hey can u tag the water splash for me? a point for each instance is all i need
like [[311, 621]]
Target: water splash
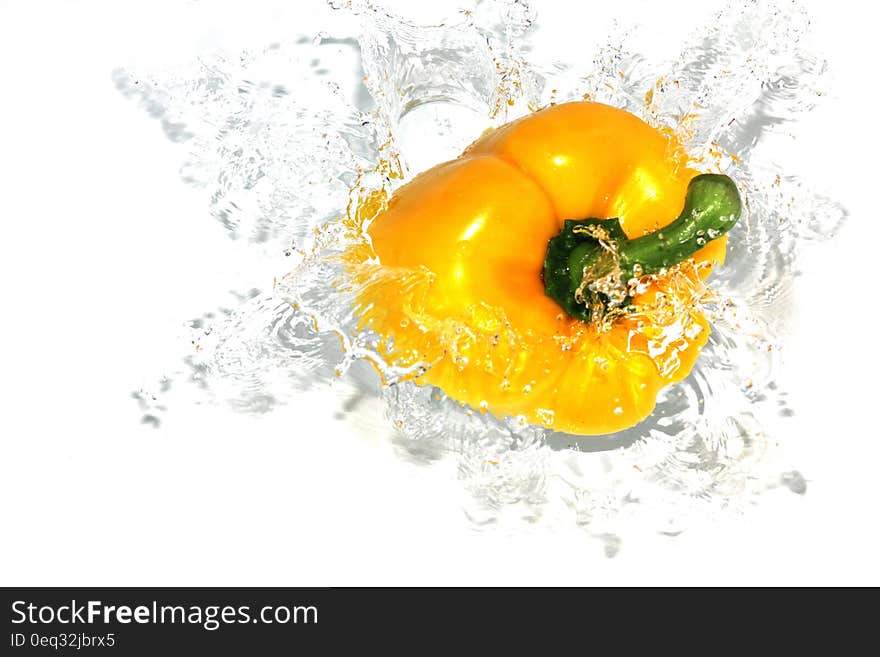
[[279, 168]]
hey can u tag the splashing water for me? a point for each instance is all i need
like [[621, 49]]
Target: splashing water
[[279, 168]]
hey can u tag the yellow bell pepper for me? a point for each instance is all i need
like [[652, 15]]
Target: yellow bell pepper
[[455, 272]]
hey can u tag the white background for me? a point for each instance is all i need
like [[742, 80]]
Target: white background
[[98, 272]]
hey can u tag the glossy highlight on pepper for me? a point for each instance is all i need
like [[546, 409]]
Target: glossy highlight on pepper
[[452, 275]]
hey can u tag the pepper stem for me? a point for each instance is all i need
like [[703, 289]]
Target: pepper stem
[[587, 252]]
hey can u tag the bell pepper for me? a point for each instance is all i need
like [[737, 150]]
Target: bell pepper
[[552, 272]]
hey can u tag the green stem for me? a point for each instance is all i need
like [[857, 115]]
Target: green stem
[[587, 250]]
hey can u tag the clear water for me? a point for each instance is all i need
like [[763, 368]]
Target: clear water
[[286, 140]]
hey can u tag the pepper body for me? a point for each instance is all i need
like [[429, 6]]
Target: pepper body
[[466, 244]]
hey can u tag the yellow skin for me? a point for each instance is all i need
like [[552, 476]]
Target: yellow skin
[[461, 250]]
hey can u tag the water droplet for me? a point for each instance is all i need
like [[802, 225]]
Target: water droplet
[[611, 545], [795, 482], [545, 416]]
